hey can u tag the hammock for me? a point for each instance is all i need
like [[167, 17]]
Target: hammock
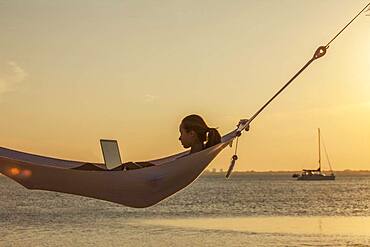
[[134, 188]]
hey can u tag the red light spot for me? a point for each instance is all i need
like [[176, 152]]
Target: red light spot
[[26, 173]]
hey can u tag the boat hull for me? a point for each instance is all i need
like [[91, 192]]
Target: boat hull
[[316, 177]]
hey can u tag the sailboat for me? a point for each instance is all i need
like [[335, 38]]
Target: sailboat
[[316, 174]]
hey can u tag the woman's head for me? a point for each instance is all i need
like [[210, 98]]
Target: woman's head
[[193, 130]]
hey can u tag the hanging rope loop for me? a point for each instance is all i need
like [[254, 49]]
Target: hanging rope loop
[[232, 165], [320, 52], [234, 158]]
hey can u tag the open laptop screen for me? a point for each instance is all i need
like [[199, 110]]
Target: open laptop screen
[[111, 153]]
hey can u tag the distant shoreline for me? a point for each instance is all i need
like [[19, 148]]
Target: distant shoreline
[[223, 172], [345, 172]]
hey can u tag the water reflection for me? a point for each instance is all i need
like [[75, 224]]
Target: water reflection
[[285, 224]]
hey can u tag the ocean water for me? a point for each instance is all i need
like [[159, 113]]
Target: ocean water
[[254, 209]]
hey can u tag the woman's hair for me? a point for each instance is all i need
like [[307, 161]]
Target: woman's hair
[[199, 126]]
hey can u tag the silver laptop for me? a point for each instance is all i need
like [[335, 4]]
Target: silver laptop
[[112, 158]]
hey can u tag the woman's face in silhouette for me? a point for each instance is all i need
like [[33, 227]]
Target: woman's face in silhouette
[[187, 138]]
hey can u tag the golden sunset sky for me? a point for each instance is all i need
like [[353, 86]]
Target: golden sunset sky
[[73, 72]]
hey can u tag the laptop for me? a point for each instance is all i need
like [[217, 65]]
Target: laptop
[[112, 158]]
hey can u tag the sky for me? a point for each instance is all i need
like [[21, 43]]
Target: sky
[[74, 72]]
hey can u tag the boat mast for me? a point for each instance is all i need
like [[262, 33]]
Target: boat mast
[[319, 150]]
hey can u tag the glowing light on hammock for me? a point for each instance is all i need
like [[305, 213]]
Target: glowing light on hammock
[[14, 171], [26, 173]]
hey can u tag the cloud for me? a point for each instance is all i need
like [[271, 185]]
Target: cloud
[[148, 98], [11, 75]]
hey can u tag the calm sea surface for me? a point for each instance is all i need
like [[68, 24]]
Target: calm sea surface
[[255, 209]]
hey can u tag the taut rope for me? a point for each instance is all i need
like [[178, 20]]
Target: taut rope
[[320, 52]]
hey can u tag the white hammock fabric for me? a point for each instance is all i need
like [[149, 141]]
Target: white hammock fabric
[[137, 188]]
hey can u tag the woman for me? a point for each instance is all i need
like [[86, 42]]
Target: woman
[[196, 135]]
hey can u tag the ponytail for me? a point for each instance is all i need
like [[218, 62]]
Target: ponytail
[[214, 137]]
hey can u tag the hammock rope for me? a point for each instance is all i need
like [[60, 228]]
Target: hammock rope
[[320, 52], [359, 13]]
